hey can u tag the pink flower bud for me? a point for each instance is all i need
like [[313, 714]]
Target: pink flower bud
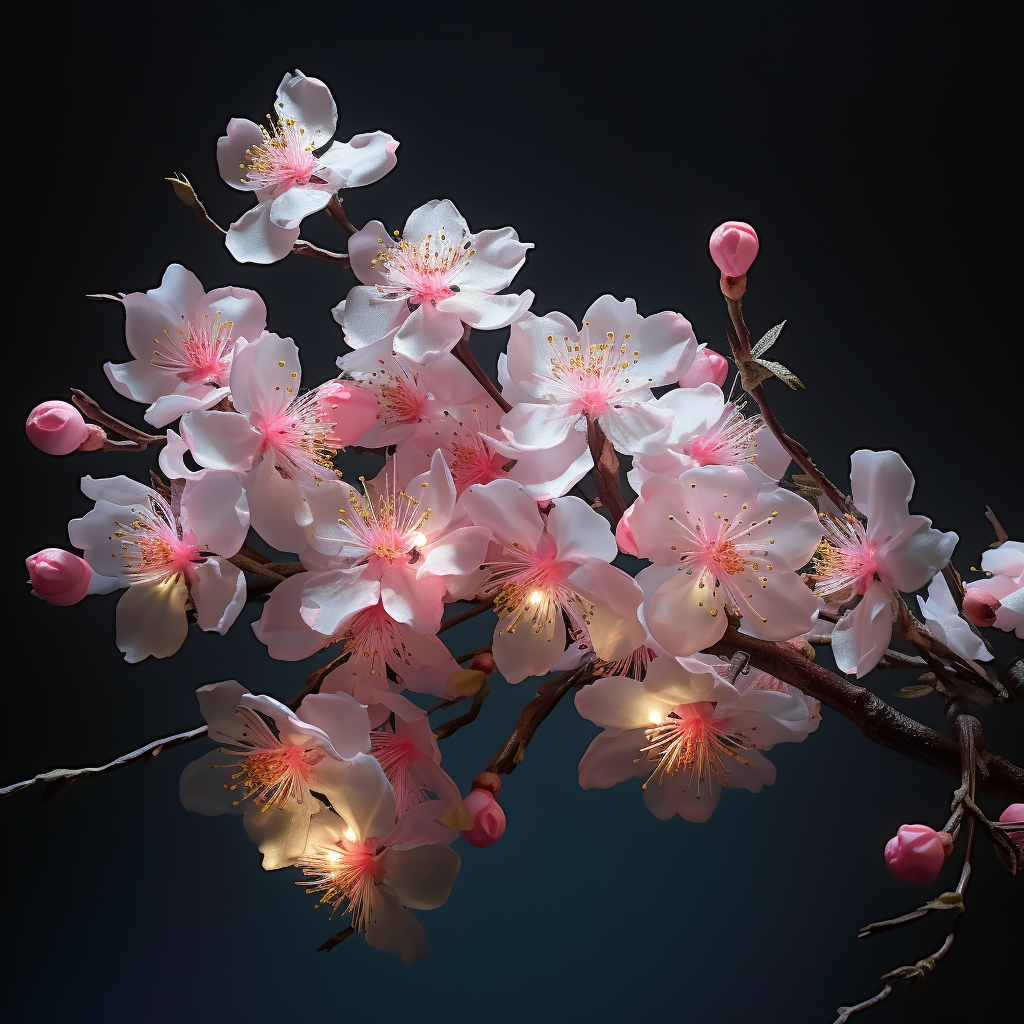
[[708, 367], [624, 534], [58, 576], [1015, 812], [352, 410], [733, 247], [980, 606], [488, 818], [915, 854], [56, 428]]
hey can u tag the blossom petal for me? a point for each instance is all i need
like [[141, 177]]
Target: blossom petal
[[215, 508], [140, 380], [882, 485], [330, 599], [613, 757], [428, 333], [217, 705], [777, 606], [281, 835], [219, 594], [342, 717], [364, 248], [528, 652], [421, 876], [243, 308], [360, 161], [637, 429], [510, 513], [579, 532], [180, 292], [220, 440], [497, 257], [167, 408], [540, 426], [255, 238], [550, 472], [666, 346], [151, 620], [394, 929], [619, 702], [261, 374], [415, 602], [368, 316], [909, 559], [288, 209], [529, 351], [680, 794], [433, 218], [310, 103], [678, 615], [359, 791], [232, 152], [205, 785], [614, 628], [456, 554], [788, 530], [862, 635], [484, 311], [281, 627]]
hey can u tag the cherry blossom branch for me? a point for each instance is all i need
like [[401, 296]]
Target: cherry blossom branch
[[445, 729], [739, 343], [465, 355], [969, 735], [337, 212], [135, 440], [477, 609], [877, 720], [513, 750], [1001, 535], [606, 471], [67, 775], [274, 570], [336, 939], [486, 649], [187, 194]]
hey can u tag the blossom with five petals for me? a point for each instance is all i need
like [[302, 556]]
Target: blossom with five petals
[[287, 168], [182, 339], [895, 551], [546, 568], [419, 289], [688, 732], [718, 543], [164, 549]]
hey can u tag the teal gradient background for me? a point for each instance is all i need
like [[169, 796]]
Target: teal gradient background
[[869, 151]]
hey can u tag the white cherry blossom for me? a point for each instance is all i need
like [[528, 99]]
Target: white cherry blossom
[[419, 289], [1004, 567], [287, 168]]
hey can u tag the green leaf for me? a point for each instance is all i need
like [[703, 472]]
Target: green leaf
[[784, 374], [767, 341], [946, 901]]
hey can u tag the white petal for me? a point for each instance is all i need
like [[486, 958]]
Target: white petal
[[369, 317], [678, 615], [232, 155], [637, 429], [484, 311], [882, 485], [220, 440], [614, 627], [498, 256], [536, 426], [395, 930], [364, 247], [168, 408], [862, 635], [613, 757], [360, 161], [579, 532], [428, 333], [261, 374], [255, 238], [151, 620], [219, 594], [359, 791], [504, 507], [217, 704], [910, 558], [214, 506], [422, 876], [528, 652], [618, 702], [342, 717], [309, 102], [288, 209], [434, 218]]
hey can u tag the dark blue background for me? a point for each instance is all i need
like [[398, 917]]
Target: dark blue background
[[869, 152]]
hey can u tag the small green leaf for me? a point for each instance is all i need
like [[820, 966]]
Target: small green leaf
[[768, 340], [913, 691], [946, 901]]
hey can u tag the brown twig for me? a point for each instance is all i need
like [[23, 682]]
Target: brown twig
[[513, 750], [336, 939], [337, 211], [1001, 535], [465, 355], [877, 720], [606, 471], [477, 609], [187, 194], [472, 654], [135, 440], [445, 729]]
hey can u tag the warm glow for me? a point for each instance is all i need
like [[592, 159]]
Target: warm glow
[[418, 540], [350, 834], [536, 597], [656, 718]]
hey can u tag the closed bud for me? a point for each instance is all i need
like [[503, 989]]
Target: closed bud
[[488, 818], [733, 247], [58, 576], [56, 428], [915, 854], [980, 606], [708, 367], [484, 662]]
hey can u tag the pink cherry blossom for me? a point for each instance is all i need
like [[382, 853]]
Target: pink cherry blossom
[[287, 168], [895, 551], [708, 431], [720, 542], [374, 877], [1004, 566], [559, 378], [163, 549], [544, 567], [182, 339], [915, 854], [419, 290], [687, 732]]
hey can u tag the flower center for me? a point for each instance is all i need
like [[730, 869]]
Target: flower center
[[389, 527], [196, 353], [346, 872], [845, 558], [729, 442], [473, 462], [690, 739], [276, 776], [284, 158], [302, 437], [397, 755], [424, 271], [154, 548]]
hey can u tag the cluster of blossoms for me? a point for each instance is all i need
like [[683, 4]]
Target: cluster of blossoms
[[478, 498]]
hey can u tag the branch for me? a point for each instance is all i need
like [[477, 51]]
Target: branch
[[1001, 535], [465, 355], [445, 729], [187, 194], [513, 750], [606, 471], [337, 211], [151, 750], [135, 440], [336, 939], [455, 620], [876, 719]]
